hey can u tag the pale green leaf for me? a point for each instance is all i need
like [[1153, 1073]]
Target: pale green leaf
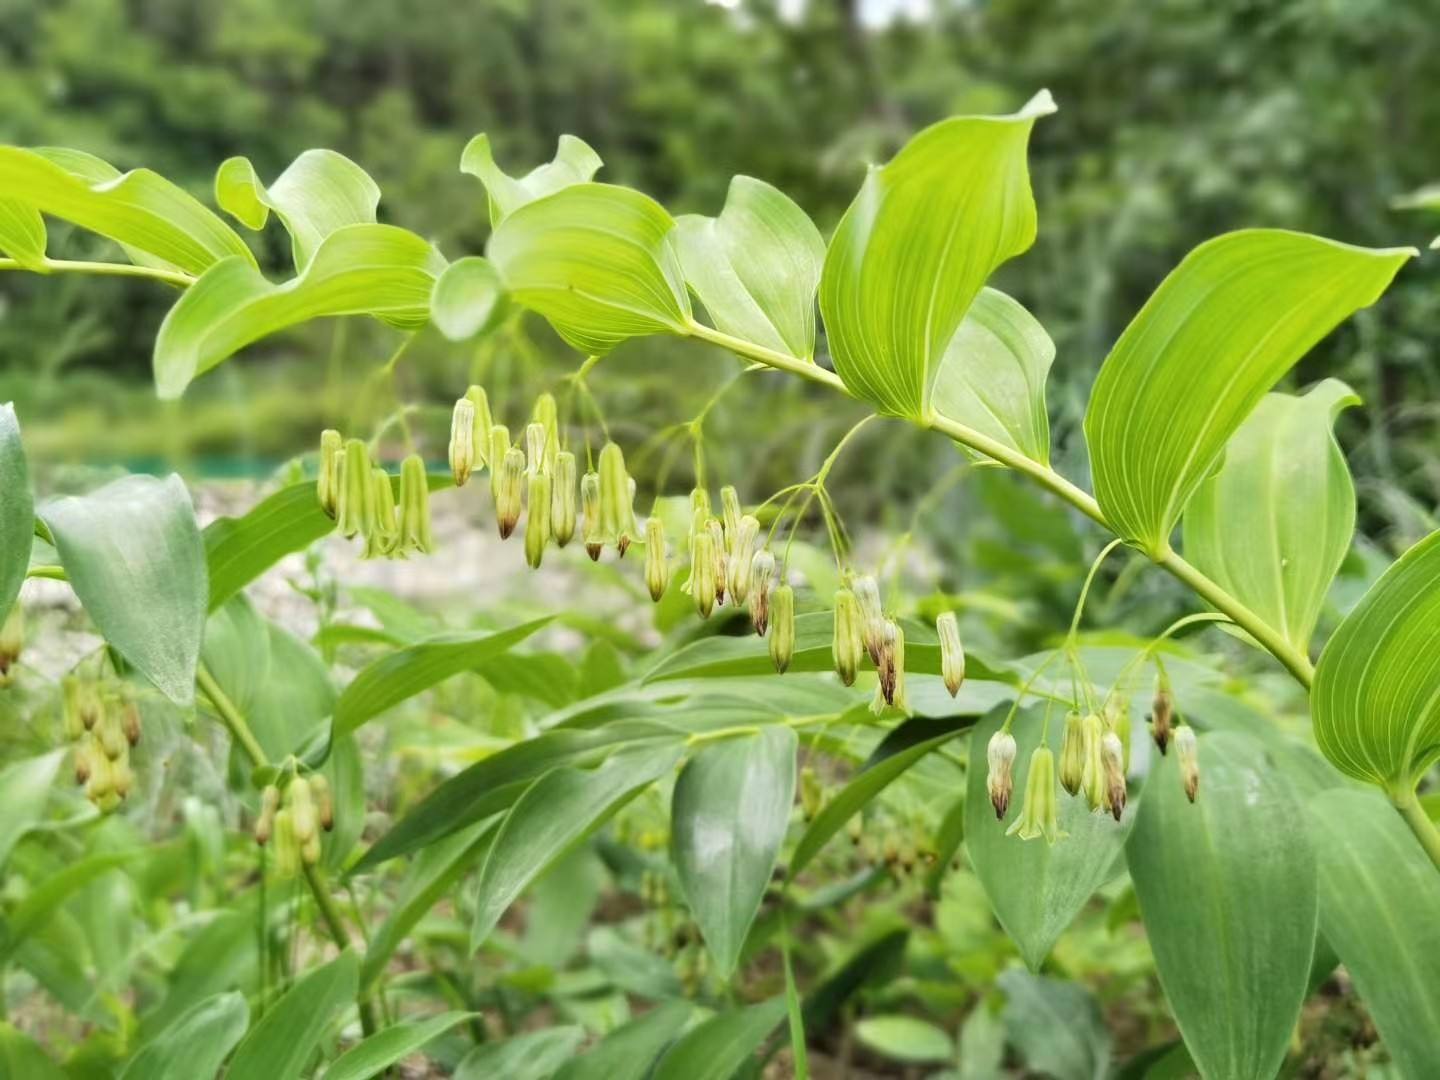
[[196, 1044], [281, 1042], [728, 818], [1056, 1026], [1227, 889], [1220, 331], [17, 511], [372, 1056], [992, 376], [914, 248], [717, 1048], [597, 261], [358, 270], [1273, 524], [628, 1052], [906, 1038], [1376, 698], [574, 163], [1378, 897], [756, 267], [1037, 888], [557, 811], [534, 1055], [26, 784], [141, 210], [22, 234], [469, 297], [319, 193], [46, 898], [133, 554]]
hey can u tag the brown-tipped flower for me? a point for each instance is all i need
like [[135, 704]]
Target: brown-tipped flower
[[1092, 775], [1000, 774], [722, 568], [657, 558], [385, 529], [847, 646], [594, 525], [1072, 754], [1162, 711], [782, 626], [110, 735], [537, 523], [130, 722], [1112, 753], [85, 752], [414, 532], [702, 573], [872, 615], [327, 483], [324, 800], [72, 707], [12, 638], [1039, 814], [510, 490], [562, 498], [729, 510], [952, 653], [1187, 749], [462, 441], [757, 594], [739, 556], [812, 794], [265, 823], [480, 431], [499, 445], [356, 508], [890, 692]]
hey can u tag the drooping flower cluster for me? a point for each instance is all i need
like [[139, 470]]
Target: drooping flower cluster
[[361, 497], [293, 818], [103, 726]]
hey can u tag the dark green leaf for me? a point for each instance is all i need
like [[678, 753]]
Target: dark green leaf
[[194, 1045], [534, 1055], [628, 1052], [240, 549], [1056, 1026], [26, 784], [372, 1056], [281, 1042], [17, 511], [717, 1048]]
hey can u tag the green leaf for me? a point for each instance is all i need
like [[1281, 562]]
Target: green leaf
[[469, 297], [22, 1058], [575, 163], [239, 549], [1056, 1026], [17, 511], [281, 1042], [534, 1055], [907, 1039], [756, 267], [913, 250], [375, 270], [133, 554], [1376, 699], [141, 210], [22, 234], [1227, 889], [727, 820], [1378, 897], [372, 1056], [45, 899], [628, 1052], [1035, 888], [557, 811], [874, 778], [716, 1049], [319, 193], [194, 1045], [404, 673], [26, 784], [1274, 523], [1201, 354], [992, 375], [597, 262]]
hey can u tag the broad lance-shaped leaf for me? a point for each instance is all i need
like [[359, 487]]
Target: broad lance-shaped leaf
[[1274, 523], [469, 297], [133, 554], [22, 234], [1376, 698], [282, 1040], [1378, 897], [1220, 331], [1227, 889], [374, 1055], [727, 821], [158, 223], [319, 193], [574, 163], [1037, 888], [194, 1045], [597, 261], [992, 376], [718, 1047], [914, 248], [756, 267], [17, 510], [358, 270]]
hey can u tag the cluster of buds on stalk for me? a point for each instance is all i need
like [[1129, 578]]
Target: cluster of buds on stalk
[[1000, 774], [12, 641], [1092, 759], [293, 819], [103, 729], [1162, 711], [862, 628], [360, 496]]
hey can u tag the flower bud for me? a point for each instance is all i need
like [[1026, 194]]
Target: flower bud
[[130, 722], [287, 847], [999, 779], [12, 638], [782, 626], [702, 573], [310, 850], [110, 735], [1187, 749], [535, 436], [1162, 711], [700, 503], [385, 530], [498, 443], [1117, 719], [480, 430], [85, 752], [1072, 754], [885, 665], [547, 416], [327, 482], [952, 653], [72, 707], [265, 823], [717, 545], [617, 513], [1038, 816], [657, 561], [462, 440], [562, 498], [872, 615], [891, 691], [762, 576], [1112, 753], [122, 779], [537, 522], [324, 800], [1092, 773], [414, 507], [847, 645], [302, 808], [590, 510], [729, 510], [510, 490], [356, 508], [811, 793], [739, 557]]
